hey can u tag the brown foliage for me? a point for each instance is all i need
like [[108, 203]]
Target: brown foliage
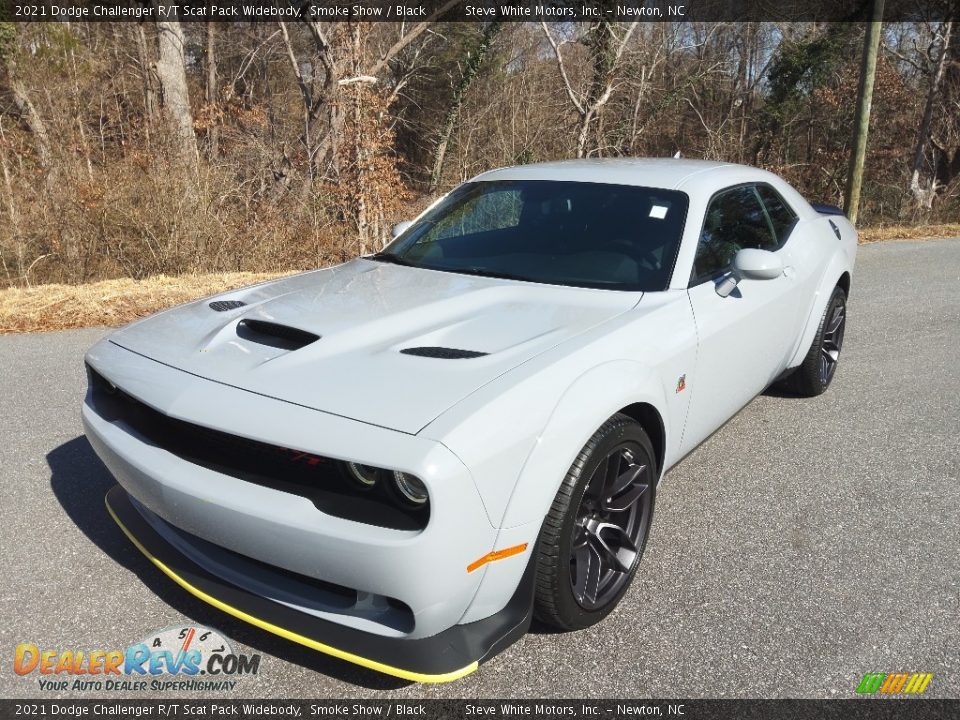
[[306, 168]]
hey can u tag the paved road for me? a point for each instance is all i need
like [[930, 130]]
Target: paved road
[[806, 543]]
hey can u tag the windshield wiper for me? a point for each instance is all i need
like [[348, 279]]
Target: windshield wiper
[[390, 258], [485, 272]]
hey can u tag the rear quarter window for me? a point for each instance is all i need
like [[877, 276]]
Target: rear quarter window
[[781, 215]]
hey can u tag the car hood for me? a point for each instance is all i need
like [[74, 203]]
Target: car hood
[[364, 314]]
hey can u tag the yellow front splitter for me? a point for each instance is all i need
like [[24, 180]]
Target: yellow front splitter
[[448, 656]]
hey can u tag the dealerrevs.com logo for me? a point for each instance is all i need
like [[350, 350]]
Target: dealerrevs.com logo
[[894, 683], [175, 658]]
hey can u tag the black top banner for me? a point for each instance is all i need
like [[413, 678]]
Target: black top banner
[[475, 10]]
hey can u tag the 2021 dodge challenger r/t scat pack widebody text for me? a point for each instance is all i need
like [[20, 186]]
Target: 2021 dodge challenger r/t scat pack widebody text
[[400, 460]]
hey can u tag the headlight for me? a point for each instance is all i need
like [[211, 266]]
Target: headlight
[[410, 488], [363, 475]]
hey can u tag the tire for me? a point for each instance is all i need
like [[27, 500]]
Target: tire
[[819, 367], [581, 529]]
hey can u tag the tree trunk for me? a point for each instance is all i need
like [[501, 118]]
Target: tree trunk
[[171, 69], [36, 126], [64, 245], [359, 154], [474, 62], [14, 215], [924, 195], [868, 69], [212, 91], [146, 71]]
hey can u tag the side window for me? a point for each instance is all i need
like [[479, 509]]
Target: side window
[[781, 215], [735, 219]]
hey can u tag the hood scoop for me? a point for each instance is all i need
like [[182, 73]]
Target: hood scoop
[[443, 353], [275, 335], [224, 305]]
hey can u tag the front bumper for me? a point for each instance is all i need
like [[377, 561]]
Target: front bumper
[[444, 657], [425, 571]]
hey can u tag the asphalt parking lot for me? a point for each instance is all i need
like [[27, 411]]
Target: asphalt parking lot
[[806, 543]]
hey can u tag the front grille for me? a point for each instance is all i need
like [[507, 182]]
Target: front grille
[[443, 353], [318, 479]]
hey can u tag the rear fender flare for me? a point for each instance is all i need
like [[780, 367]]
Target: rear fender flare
[[838, 265]]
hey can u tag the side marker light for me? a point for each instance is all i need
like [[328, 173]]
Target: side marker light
[[496, 555]]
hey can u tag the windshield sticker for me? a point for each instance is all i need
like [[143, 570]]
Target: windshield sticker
[[658, 211]]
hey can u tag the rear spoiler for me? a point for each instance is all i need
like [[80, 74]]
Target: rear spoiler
[[825, 209]]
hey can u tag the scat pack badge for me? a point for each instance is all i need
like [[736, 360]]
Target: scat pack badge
[[175, 658]]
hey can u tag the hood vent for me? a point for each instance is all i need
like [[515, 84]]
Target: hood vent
[[275, 335], [443, 353], [224, 305]]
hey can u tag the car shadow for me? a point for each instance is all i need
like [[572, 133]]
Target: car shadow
[[80, 481], [776, 391], [538, 627]]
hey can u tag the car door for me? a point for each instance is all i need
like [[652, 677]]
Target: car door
[[743, 339]]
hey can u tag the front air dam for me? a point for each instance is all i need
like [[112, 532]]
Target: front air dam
[[444, 657]]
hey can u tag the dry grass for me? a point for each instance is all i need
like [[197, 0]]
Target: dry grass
[[116, 302], [110, 302], [909, 232]]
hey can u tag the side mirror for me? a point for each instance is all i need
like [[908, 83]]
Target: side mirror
[[757, 264], [753, 264], [398, 229]]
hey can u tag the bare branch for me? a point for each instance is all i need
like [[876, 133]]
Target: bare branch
[[409, 37], [563, 71], [304, 89], [357, 79], [904, 58]]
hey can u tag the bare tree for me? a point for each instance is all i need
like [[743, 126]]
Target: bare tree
[[316, 137], [35, 123], [211, 94], [924, 194], [473, 65], [607, 50], [171, 69], [147, 72]]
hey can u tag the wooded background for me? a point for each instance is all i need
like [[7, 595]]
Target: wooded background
[[130, 149]]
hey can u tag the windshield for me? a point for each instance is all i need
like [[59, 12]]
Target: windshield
[[597, 235]]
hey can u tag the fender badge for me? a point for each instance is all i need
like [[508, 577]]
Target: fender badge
[[682, 383]]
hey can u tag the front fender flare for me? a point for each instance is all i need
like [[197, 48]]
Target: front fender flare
[[592, 398], [589, 401]]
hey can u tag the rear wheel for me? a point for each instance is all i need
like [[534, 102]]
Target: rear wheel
[[819, 366], [597, 528]]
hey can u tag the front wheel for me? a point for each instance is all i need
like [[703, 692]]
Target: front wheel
[[819, 366], [597, 528]]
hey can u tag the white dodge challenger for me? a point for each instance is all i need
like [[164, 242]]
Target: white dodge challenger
[[401, 460]]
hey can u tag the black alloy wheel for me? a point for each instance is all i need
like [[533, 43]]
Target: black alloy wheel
[[594, 535], [611, 524], [832, 342]]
